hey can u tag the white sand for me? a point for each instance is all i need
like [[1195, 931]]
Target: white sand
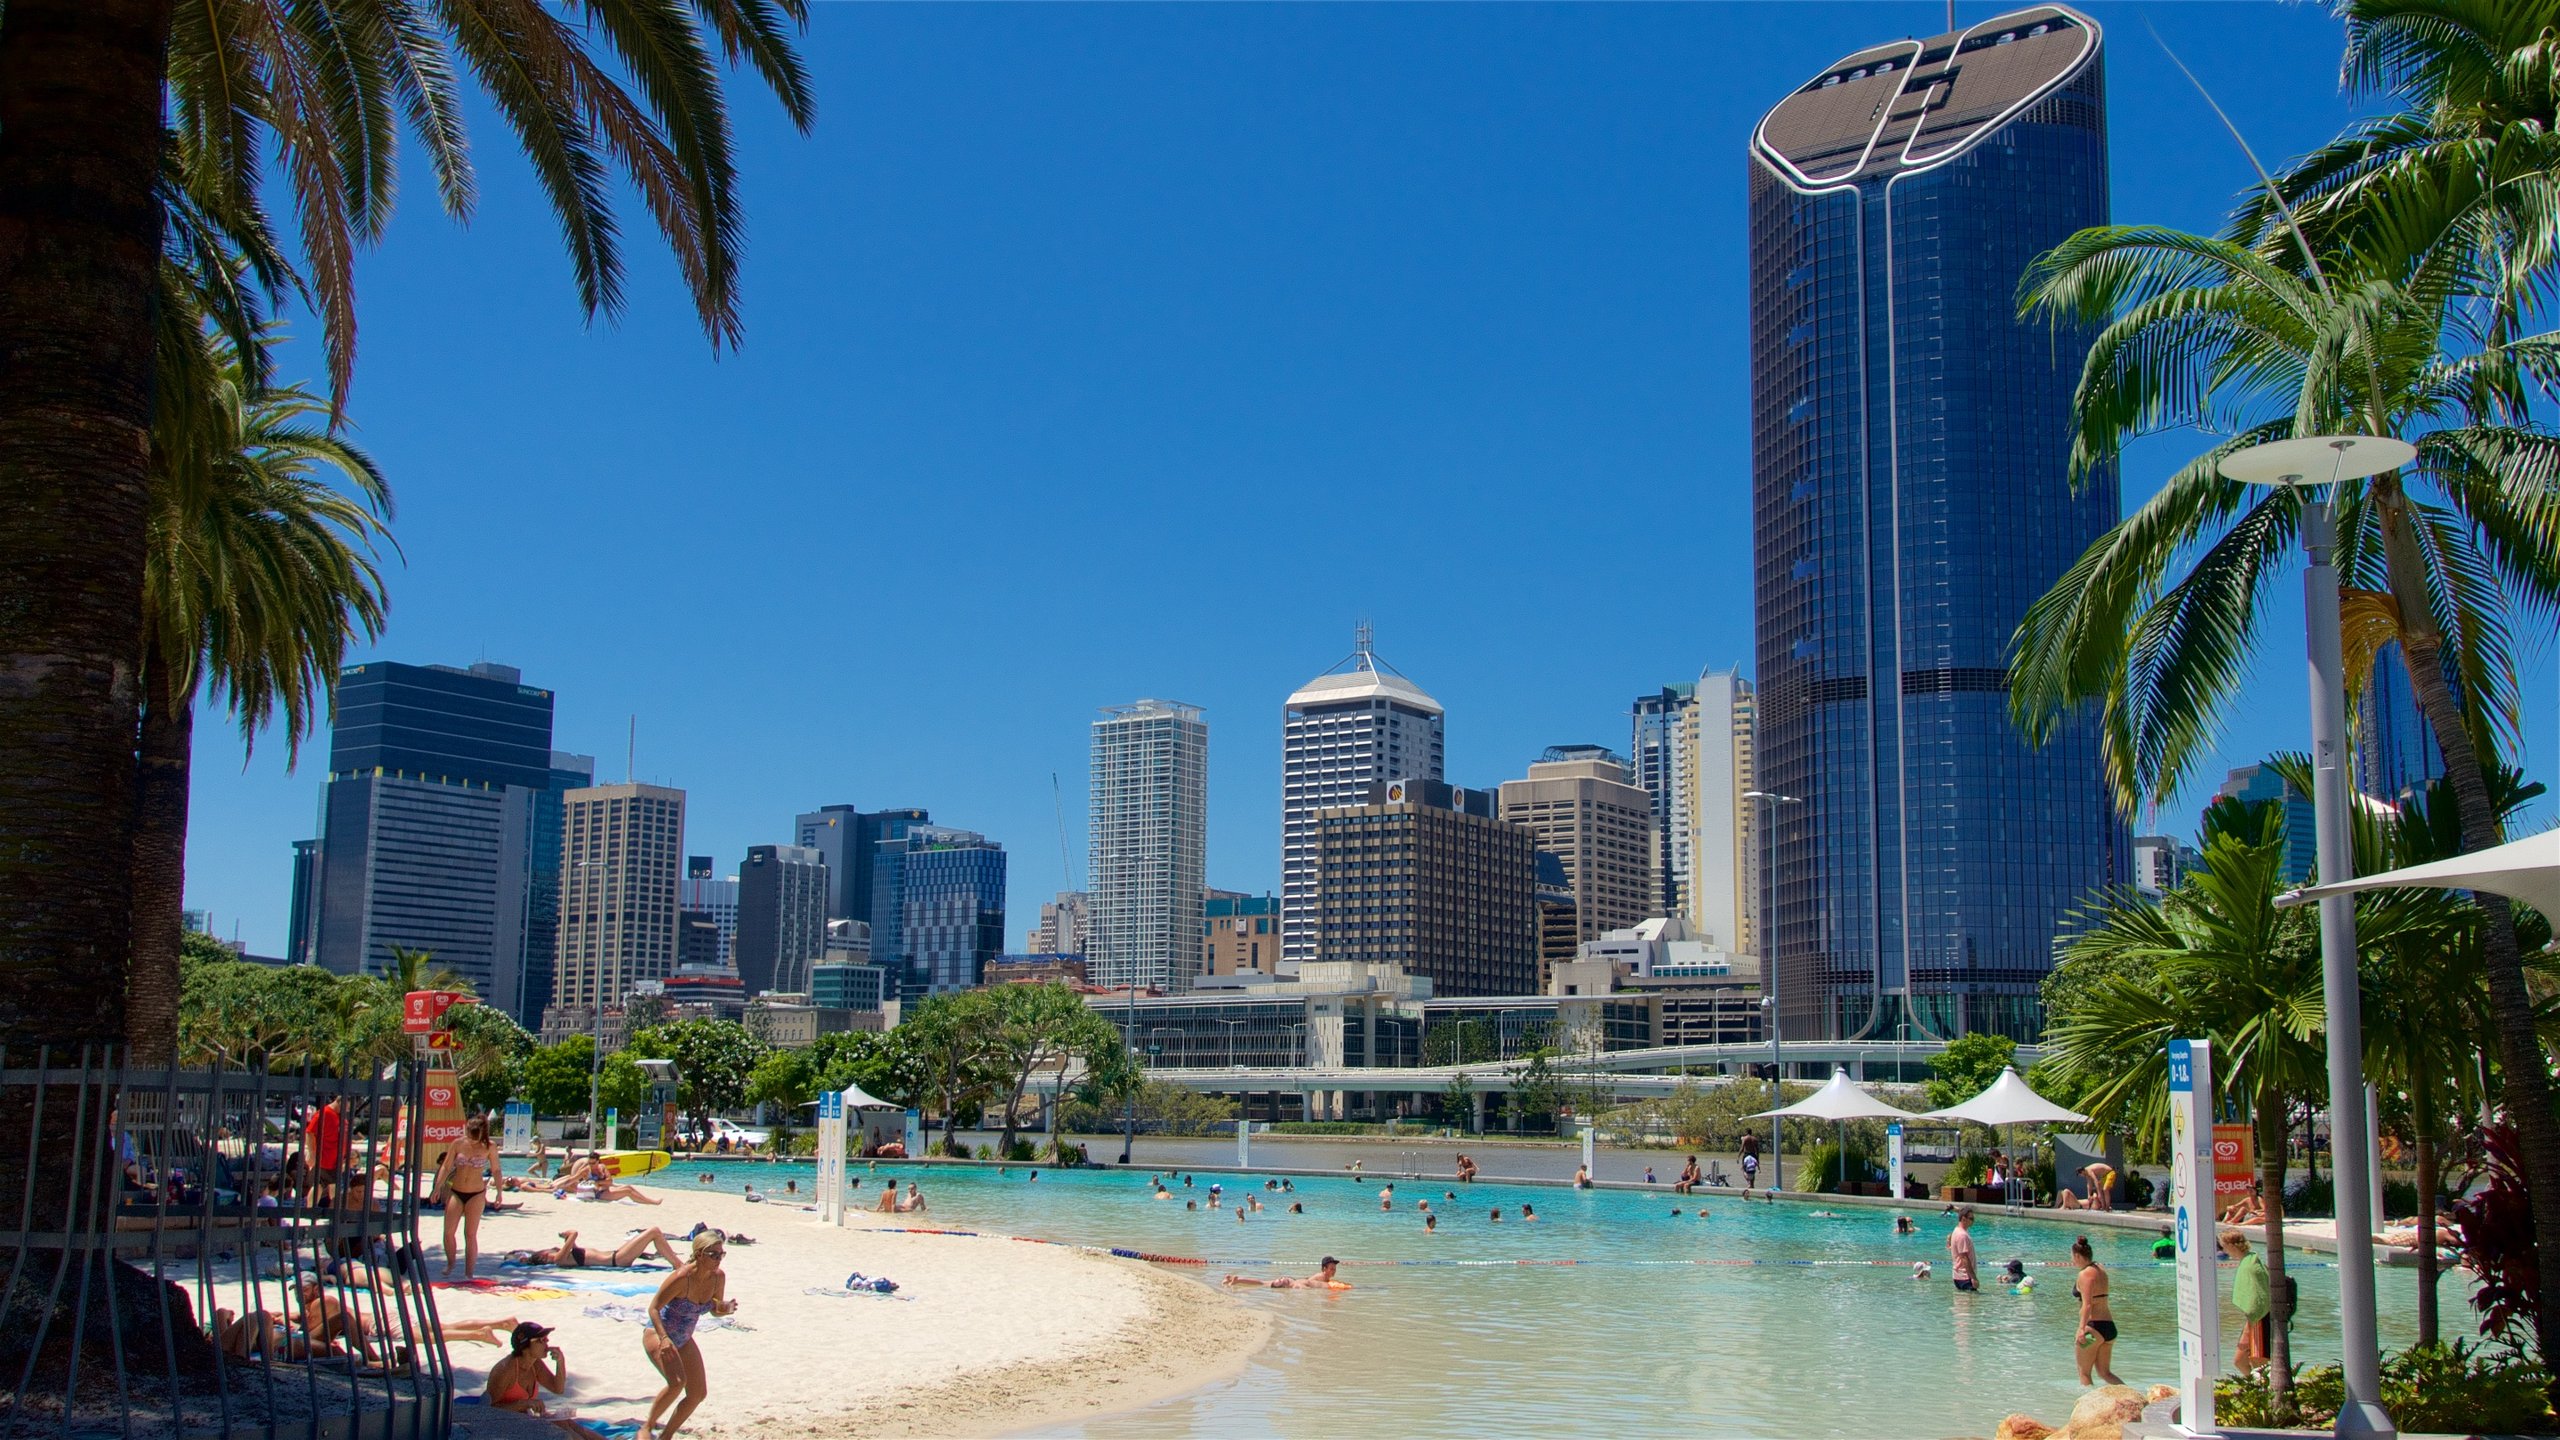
[[985, 1334]]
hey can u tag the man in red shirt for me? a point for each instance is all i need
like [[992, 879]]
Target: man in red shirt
[[324, 1141]]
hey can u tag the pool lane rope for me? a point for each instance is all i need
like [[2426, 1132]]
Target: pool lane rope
[[1720, 1262]]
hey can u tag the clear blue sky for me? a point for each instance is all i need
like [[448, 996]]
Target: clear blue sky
[[1104, 352]]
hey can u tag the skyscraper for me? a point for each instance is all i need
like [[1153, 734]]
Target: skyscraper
[[1723, 893], [1424, 877], [1063, 926], [619, 852], [1343, 731], [1148, 839], [782, 917], [705, 892], [2396, 754], [1578, 806], [848, 838], [1911, 497], [544, 817], [939, 894], [1659, 761], [427, 822]]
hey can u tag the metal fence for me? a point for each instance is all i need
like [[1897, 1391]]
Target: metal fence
[[212, 1253]]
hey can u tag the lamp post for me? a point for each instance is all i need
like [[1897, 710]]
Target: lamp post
[[595, 1018], [1769, 803], [1231, 1039], [1129, 1100], [2324, 460]]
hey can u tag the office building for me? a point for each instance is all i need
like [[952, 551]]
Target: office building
[[704, 891], [1148, 839], [1722, 897], [1559, 924], [848, 943], [1425, 878], [2160, 862], [1664, 747], [1062, 925], [2261, 785], [708, 991], [2396, 754], [438, 779], [841, 985], [1577, 805], [782, 917], [1239, 934], [937, 898], [1360, 723], [621, 850], [848, 839], [1912, 496], [698, 942], [300, 922], [543, 817]]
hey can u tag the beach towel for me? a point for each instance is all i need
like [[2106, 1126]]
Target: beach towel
[[639, 1315]]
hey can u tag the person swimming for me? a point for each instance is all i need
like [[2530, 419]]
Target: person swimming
[[1323, 1279], [1528, 1212], [1902, 1226]]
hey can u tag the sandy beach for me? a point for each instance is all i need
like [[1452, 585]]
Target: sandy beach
[[985, 1335]]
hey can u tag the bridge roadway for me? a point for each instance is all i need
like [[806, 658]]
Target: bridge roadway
[[1631, 1073]]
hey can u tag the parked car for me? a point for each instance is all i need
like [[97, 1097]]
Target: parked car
[[736, 1134]]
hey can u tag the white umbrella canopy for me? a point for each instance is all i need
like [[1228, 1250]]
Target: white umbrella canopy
[[2008, 1101], [1840, 1099], [856, 1098], [2526, 870]]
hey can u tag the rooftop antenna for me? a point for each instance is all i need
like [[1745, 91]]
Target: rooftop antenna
[[1951, 16], [1364, 644], [1058, 797], [631, 752]]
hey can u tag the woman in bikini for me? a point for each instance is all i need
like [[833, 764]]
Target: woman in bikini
[[696, 1289], [570, 1255], [2097, 1342], [517, 1381], [462, 1178]]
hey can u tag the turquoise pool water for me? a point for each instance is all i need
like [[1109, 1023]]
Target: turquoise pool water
[[1762, 1320]]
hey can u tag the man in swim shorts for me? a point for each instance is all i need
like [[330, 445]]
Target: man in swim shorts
[[1960, 1250], [1323, 1279]]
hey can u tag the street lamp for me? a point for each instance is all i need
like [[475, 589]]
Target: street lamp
[[1231, 1038], [1129, 1042], [1769, 803], [2308, 461], [595, 1012]]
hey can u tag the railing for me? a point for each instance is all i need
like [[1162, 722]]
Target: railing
[[183, 1255]]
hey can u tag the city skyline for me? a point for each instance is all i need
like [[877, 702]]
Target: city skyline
[[1534, 333]]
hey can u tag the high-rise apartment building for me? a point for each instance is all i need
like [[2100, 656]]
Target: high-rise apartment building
[[1912, 496], [1658, 761], [783, 895], [1578, 806], [1723, 894], [2263, 785], [441, 785], [705, 891], [1148, 845], [2160, 862], [1424, 877], [1062, 927], [937, 895], [2396, 754], [620, 851], [1340, 733]]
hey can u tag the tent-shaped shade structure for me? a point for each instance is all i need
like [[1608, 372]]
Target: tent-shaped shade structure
[[2526, 870], [2008, 1101], [856, 1098], [1841, 1099]]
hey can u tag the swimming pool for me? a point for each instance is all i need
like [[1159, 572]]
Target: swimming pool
[[1762, 1320]]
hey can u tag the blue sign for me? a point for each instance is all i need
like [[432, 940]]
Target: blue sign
[[2182, 1068], [1893, 1127], [831, 1105], [2185, 1240]]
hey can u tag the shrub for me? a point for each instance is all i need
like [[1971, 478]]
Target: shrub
[[1023, 1151], [2496, 1226], [2455, 1387], [2309, 1197], [1968, 1170]]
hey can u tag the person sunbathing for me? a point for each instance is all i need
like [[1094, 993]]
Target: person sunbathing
[[1323, 1279], [480, 1332], [2249, 1209], [2406, 1235], [246, 1337], [602, 1190], [912, 1201], [326, 1320], [570, 1255]]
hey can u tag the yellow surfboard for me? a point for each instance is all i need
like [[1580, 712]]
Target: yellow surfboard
[[624, 1164]]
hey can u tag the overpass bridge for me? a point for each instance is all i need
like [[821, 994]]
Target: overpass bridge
[[1626, 1074]]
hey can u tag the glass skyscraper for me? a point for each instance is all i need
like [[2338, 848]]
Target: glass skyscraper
[[1910, 439], [937, 906]]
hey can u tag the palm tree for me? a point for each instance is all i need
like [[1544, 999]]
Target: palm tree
[[260, 572], [2158, 620], [96, 97], [2212, 958], [418, 970]]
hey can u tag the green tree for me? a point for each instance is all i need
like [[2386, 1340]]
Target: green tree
[[784, 1079], [488, 1047], [884, 1063], [553, 1078], [714, 1059], [1967, 1067], [1458, 1102], [1537, 1092], [2224, 965], [950, 1036], [259, 572], [620, 1085], [1460, 1042], [1032, 1027], [419, 970], [102, 102], [2399, 333]]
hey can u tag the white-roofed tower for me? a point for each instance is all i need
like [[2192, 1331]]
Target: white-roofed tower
[[1356, 724]]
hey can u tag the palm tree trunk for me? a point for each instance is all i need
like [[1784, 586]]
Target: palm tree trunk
[[2271, 1138], [159, 861], [80, 141], [2524, 1079], [2428, 1318]]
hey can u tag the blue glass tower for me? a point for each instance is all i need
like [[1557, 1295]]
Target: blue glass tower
[[937, 908], [1910, 500]]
